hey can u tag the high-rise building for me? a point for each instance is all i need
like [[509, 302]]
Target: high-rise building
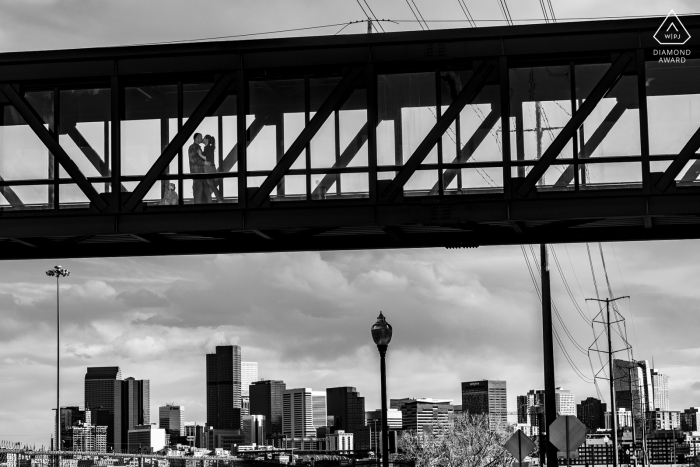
[[486, 396], [420, 415], [103, 392], [70, 417], [663, 420], [254, 429], [249, 374], [634, 387], [564, 401], [172, 419], [224, 387], [86, 437], [194, 433], [690, 419], [297, 413], [347, 409], [118, 404], [659, 383], [266, 399], [592, 413], [318, 400]]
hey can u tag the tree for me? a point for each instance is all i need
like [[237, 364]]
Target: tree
[[465, 441]]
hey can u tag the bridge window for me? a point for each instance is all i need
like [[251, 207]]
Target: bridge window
[[673, 101], [24, 158]]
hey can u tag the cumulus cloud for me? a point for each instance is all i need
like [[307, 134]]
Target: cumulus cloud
[[142, 298]]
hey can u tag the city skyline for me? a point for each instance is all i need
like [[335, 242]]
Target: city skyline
[[458, 315]]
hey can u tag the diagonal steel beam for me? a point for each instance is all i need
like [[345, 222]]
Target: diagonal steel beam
[[468, 150], [337, 98], [594, 141], [692, 173], [232, 157], [679, 162], [37, 125], [10, 195], [345, 158], [606, 83], [208, 105], [90, 153], [465, 96]]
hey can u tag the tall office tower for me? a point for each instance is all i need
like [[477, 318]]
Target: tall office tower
[[522, 406], [659, 382], [592, 413], [103, 395], [266, 399], [318, 400], [224, 387], [486, 396], [136, 396], [347, 409], [249, 374], [254, 429], [419, 415], [564, 401], [634, 387], [172, 419], [297, 413], [690, 419]]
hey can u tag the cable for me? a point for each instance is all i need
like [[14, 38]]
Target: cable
[[467, 13], [566, 286], [414, 14], [626, 293], [420, 14], [375, 16]]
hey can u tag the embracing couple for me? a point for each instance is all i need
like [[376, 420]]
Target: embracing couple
[[203, 162]]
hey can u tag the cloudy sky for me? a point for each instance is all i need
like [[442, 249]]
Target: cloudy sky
[[458, 315]]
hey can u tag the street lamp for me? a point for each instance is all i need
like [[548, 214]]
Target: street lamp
[[58, 272], [381, 333]]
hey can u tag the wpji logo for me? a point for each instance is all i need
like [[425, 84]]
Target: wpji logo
[[672, 31]]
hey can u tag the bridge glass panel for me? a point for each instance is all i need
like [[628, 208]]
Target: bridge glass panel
[[473, 138], [407, 112], [278, 116], [219, 129], [610, 132], [23, 157], [339, 144], [150, 123], [673, 102], [72, 197]]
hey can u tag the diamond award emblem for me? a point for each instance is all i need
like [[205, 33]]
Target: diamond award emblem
[[672, 31]]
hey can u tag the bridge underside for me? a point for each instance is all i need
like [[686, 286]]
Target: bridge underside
[[530, 134]]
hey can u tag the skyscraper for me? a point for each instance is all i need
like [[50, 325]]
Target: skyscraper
[[249, 374], [224, 387], [318, 400], [266, 399], [172, 419], [564, 402], [592, 413], [633, 387], [659, 382], [347, 410], [486, 396], [297, 413], [118, 404], [103, 392]]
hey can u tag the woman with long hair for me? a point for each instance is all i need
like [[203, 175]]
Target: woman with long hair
[[209, 151]]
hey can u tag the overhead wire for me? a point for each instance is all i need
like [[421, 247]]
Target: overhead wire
[[414, 14], [375, 16], [634, 331], [420, 14], [467, 13]]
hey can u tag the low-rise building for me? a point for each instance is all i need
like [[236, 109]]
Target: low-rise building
[[86, 437], [339, 441], [146, 439]]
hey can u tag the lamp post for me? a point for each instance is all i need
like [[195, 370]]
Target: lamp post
[[58, 272], [381, 333]]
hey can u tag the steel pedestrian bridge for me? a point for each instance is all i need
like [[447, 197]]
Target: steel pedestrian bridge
[[508, 135]]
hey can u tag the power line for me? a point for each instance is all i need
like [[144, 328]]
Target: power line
[[375, 16], [420, 14], [414, 14], [467, 13]]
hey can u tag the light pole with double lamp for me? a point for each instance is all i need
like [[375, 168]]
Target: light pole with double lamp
[[58, 272], [381, 333]]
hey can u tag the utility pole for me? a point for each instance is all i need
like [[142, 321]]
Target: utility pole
[[611, 371], [550, 411], [369, 26]]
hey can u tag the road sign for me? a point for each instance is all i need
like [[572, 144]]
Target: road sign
[[567, 433], [519, 445]]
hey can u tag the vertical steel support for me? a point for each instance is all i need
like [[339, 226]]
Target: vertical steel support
[[550, 413], [164, 140], [180, 116], [572, 74], [117, 101], [505, 123], [56, 168], [307, 119], [643, 121], [242, 136], [279, 139], [336, 138], [220, 141], [107, 142], [372, 119], [438, 112]]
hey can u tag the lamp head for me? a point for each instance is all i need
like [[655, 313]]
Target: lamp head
[[58, 271], [381, 331]]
